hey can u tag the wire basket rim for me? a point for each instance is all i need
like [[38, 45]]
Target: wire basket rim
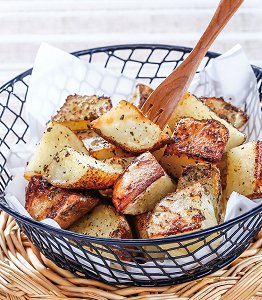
[[164, 240]]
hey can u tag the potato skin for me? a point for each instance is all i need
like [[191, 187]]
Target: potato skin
[[141, 94], [140, 223], [129, 187], [209, 176], [64, 206], [226, 111], [258, 169], [184, 211], [191, 106], [78, 111], [141, 186], [204, 139]]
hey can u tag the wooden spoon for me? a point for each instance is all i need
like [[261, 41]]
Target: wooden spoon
[[162, 102]]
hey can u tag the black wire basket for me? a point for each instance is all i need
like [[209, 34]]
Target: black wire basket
[[131, 262]]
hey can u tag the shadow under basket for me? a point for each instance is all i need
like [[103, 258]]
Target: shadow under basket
[[129, 262]]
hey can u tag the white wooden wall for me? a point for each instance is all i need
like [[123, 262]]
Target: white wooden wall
[[79, 24]]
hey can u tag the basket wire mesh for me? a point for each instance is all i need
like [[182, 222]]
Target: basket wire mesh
[[131, 262]]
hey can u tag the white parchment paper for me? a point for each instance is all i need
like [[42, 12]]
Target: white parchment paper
[[57, 74]]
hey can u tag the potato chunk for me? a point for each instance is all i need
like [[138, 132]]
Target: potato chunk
[[140, 95], [226, 111], [87, 133], [184, 211], [194, 141], [104, 221], [71, 169], [55, 137], [191, 106], [140, 225], [141, 186], [78, 111], [204, 139], [125, 126], [160, 152], [244, 170], [101, 149], [174, 164], [122, 161], [209, 177], [64, 206]]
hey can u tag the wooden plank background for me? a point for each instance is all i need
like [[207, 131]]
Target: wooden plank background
[[78, 24]]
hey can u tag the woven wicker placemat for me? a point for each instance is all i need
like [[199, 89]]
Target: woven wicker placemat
[[26, 274]]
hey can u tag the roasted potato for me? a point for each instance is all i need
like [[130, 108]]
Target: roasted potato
[[204, 139], [140, 226], [222, 166], [140, 95], [104, 221], [244, 170], [78, 111], [107, 193], [87, 133], [174, 164], [183, 211], [187, 210], [72, 170], [55, 137], [125, 126], [194, 141], [209, 177], [160, 152], [101, 149], [226, 111], [98, 147], [122, 161], [42, 200], [141, 186], [191, 106]]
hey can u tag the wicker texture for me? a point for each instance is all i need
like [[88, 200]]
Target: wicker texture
[[27, 274]]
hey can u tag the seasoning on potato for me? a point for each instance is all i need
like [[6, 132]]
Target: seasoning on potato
[[96, 163]]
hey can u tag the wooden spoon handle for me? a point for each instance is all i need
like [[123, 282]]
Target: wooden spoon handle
[[162, 102], [223, 14]]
